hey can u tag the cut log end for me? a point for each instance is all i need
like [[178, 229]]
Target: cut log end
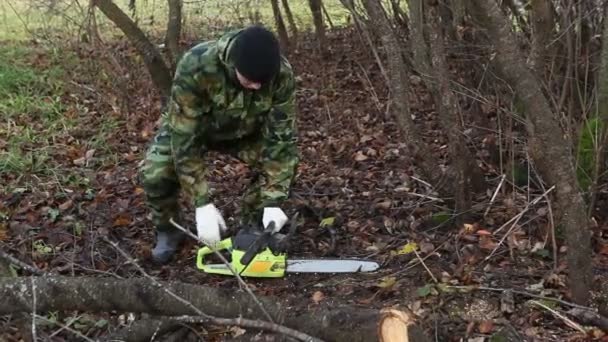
[[399, 326]]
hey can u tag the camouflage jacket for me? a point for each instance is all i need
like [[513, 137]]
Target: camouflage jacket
[[208, 105]]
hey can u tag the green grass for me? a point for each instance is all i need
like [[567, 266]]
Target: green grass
[[37, 125]]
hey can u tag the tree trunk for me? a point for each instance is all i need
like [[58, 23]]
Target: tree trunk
[[292, 23], [317, 16], [159, 72], [327, 16], [140, 295], [174, 29], [543, 22], [465, 172], [400, 17], [460, 12], [419, 47], [511, 6], [446, 13], [278, 19], [398, 81], [548, 147], [602, 115]]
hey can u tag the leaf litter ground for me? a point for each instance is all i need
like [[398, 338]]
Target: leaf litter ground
[[357, 192]]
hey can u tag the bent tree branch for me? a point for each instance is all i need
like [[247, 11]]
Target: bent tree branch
[[137, 295], [159, 72], [548, 146]]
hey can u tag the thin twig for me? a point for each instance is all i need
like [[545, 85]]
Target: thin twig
[[523, 293], [552, 223], [154, 281], [425, 267], [566, 320], [421, 181], [33, 308], [435, 199], [516, 219], [502, 180], [19, 263], [63, 326], [248, 323], [240, 280], [67, 325]]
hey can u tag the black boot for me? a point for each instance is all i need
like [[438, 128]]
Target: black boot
[[167, 243]]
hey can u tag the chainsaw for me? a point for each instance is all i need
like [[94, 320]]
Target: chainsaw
[[263, 254]]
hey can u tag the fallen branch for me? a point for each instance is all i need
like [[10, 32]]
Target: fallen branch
[[566, 320], [523, 293], [204, 318], [139, 295], [589, 317], [12, 260]]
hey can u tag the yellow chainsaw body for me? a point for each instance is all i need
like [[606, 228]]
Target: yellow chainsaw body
[[264, 265]]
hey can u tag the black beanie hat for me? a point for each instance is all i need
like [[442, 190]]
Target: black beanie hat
[[256, 54]]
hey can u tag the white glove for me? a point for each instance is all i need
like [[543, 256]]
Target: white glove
[[274, 214], [209, 224]]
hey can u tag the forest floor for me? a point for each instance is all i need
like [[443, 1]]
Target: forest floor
[[76, 122]]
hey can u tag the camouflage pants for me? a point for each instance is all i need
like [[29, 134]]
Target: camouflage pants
[[162, 188]]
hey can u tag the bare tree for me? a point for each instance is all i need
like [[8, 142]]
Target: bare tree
[[549, 149], [278, 19], [398, 81], [467, 175], [543, 23], [159, 72], [174, 29], [292, 23], [317, 16]]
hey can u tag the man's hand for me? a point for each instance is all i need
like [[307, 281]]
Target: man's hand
[[209, 224], [274, 214]]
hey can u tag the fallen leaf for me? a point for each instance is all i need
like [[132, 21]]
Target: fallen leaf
[[237, 331], [426, 247], [597, 333], [327, 222], [122, 220], [406, 249], [604, 249], [139, 190], [486, 327], [79, 161], [3, 232], [366, 138], [89, 154], [486, 242], [384, 204], [317, 297], [469, 228], [476, 339], [483, 232], [387, 282], [66, 205], [426, 290], [360, 156]]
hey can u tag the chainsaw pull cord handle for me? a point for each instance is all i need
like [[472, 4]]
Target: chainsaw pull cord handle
[[260, 243]]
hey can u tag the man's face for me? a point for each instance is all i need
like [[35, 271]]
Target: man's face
[[247, 83]]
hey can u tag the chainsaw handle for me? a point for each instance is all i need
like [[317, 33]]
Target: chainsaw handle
[[258, 245], [204, 251]]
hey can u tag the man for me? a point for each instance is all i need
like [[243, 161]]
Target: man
[[236, 95]]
